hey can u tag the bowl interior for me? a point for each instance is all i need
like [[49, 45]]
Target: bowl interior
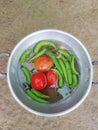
[[15, 77]]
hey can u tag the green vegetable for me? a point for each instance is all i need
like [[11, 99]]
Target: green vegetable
[[63, 58], [73, 66], [65, 53], [43, 43], [37, 55], [67, 64], [60, 80], [34, 97], [64, 70], [24, 55], [69, 72], [55, 60], [26, 73], [74, 81], [69, 76], [39, 94]]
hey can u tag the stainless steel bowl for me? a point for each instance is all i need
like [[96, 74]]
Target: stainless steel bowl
[[65, 105]]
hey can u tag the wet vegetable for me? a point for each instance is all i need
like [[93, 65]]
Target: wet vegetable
[[24, 55], [26, 73], [42, 44], [38, 81], [43, 63], [29, 93], [73, 66], [55, 60], [74, 81], [69, 76], [64, 70], [37, 55], [52, 77], [60, 79], [65, 53], [39, 94], [69, 72]]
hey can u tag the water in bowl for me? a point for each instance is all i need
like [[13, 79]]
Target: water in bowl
[[56, 94]]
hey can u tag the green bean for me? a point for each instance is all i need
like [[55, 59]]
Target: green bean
[[55, 60], [65, 53], [60, 80], [39, 94], [43, 43], [74, 81], [24, 55], [26, 73], [34, 97], [37, 55], [64, 70], [73, 66]]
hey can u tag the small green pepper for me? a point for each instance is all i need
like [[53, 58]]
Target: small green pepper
[[37, 55], [60, 80], [42, 44], [69, 76], [55, 60], [39, 94], [74, 81], [26, 73], [24, 55], [69, 71], [34, 97], [63, 58], [64, 70], [65, 53], [73, 66]]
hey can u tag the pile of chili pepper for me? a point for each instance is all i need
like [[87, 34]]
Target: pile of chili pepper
[[64, 65]]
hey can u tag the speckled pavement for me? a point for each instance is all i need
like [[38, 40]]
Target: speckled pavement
[[21, 17]]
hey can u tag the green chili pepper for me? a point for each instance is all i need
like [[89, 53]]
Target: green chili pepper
[[63, 58], [24, 55], [74, 81], [34, 97], [67, 64], [64, 70], [68, 69], [69, 72], [39, 94], [55, 60], [65, 53], [43, 43], [60, 80], [37, 55], [69, 76], [26, 73], [73, 66]]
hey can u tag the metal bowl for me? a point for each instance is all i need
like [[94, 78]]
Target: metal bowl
[[65, 105]]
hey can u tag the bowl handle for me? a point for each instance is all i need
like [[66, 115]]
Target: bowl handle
[[3, 74], [95, 83]]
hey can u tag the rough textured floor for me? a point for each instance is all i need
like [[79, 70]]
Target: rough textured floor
[[21, 17]]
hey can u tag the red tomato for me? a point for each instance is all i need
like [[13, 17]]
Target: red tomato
[[51, 77], [43, 63], [38, 81]]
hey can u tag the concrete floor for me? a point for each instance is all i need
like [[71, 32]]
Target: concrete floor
[[21, 17]]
